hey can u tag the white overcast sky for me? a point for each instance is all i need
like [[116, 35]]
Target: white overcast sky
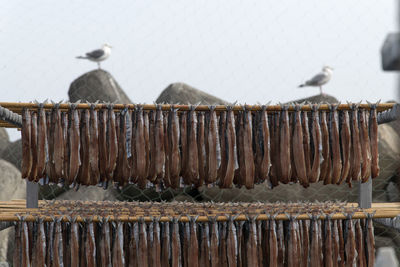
[[250, 51]]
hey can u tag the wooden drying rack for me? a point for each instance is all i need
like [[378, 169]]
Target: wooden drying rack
[[365, 189]]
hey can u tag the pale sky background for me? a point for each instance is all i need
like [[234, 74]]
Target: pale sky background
[[250, 51]]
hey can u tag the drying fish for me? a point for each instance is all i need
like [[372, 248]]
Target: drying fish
[[74, 243], [314, 245], [175, 244], [335, 145], [248, 150], [159, 143], [64, 125], [58, 156], [293, 173], [222, 141], [204, 259], [25, 259], [84, 174], [317, 145], [165, 248], [361, 261], [281, 243], [192, 151], [140, 149], [201, 149], [123, 163], [156, 243], [373, 135], [58, 245], [231, 242], [193, 249], [103, 153], [370, 241], [345, 139], [326, 163], [146, 127], [211, 146], [214, 234], [266, 158], [33, 175], [173, 143], [112, 147], [142, 251], [90, 244], [293, 244], [328, 244], [365, 146], [167, 174], [335, 241], [222, 245], [74, 145], [273, 243], [298, 149], [251, 244], [240, 173], [275, 160], [26, 164], [229, 147], [356, 144], [40, 246], [133, 246], [306, 141], [350, 245], [183, 146], [118, 258], [42, 152], [284, 146]]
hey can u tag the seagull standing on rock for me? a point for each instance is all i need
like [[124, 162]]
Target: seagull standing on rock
[[320, 79], [98, 54]]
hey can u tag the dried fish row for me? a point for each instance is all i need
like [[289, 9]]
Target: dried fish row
[[312, 242], [173, 148]]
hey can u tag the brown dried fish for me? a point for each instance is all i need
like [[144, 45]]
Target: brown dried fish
[[173, 142], [84, 173], [317, 145], [281, 243], [140, 149], [58, 156], [275, 162], [306, 141], [183, 145], [156, 243], [335, 145], [298, 149], [248, 150], [212, 146], [103, 153], [326, 163], [251, 244], [118, 258], [142, 251], [345, 138], [26, 164], [192, 151], [335, 241], [112, 143], [175, 244], [370, 241], [159, 144], [273, 244], [293, 243], [58, 245], [222, 245], [42, 153], [33, 175], [167, 174], [193, 249], [214, 234], [342, 248], [356, 145], [314, 246], [328, 244], [229, 147], [64, 125], [365, 146], [133, 246], [146, 128], [266, 145], [90, 245], [373, 135], [361, 260], [74, 144], [25, 259], [74, 243], [231, 242], [350, 246], [201, 149], [205, 245], [284, 146], [40, 246], [165, 248]]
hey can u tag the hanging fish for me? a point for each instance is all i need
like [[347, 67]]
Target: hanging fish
[[133, 155], [173, 143], [222, 244], [314, 245], [306, 141], [212, 146], [335, 145], [84, 173], [335, 241], [326, 163], [90, 244], [317, 145], [231, 245], [328, 243], [156, 243], [373, 135], [361, 260], [17, 253], [64, 125], [266, 144], [293, 243], [25, 259], [350, 245], [40, 245], [284, 146], [281, 243], [183, 147], [298, 149], [159, 143], [214, 242], [103, 153], [146, 127], [365, 146], [201, 148], [241, 171], [193, 249], [50, 168], [192, 151], [58, 157], [140, 149], [42, 153], [175, 244], [229, 147], [205, 245], [304, 226], [222, 141], [272, 243], [142, 251], [112, 142], [74, 243], [165, 244], [118, 258], [251, 244], [356, 145], [248, 150], [33, 175], [74, 144], [167, 174], [370, 241], [58, 245], [26, 164], [342, 258], [133, 246], [275, 150], [345, 139]]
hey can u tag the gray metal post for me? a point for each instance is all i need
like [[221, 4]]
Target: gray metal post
[[365, 194], [32, 195]]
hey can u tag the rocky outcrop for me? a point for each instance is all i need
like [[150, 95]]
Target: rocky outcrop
[[89, 193], [11, 187], [12, 152], [4, 139], [185, 94], [97, 85]]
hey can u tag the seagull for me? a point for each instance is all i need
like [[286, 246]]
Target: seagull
[[98, 54], [320, 79]]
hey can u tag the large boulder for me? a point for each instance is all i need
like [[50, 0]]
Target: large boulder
[[185, 94], [12, 152], [4, 139], [92, 193], [11, 187], [97, 85]]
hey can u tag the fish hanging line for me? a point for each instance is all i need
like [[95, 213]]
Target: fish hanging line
[[10, 117]]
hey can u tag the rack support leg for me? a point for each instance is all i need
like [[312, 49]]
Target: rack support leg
[[32, 195], [365, 194]]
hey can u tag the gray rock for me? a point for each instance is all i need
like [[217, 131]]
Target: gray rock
[[11, 187], [4, 139], [386, 257], [185, 94], [13, 153], [97, 85], [89, 193], [316, 99]]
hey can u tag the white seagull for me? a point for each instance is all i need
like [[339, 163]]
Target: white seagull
[[98, 54], [320, 79]]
